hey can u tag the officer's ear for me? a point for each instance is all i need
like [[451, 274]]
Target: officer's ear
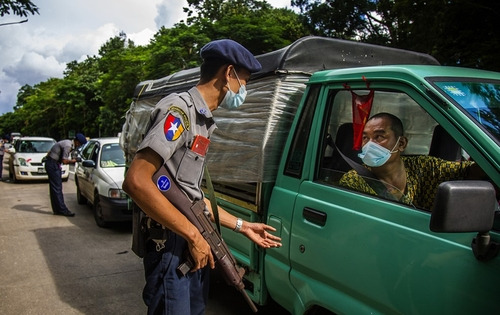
[[228, 71]]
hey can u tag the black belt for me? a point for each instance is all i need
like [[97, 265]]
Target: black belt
[[49, 158]]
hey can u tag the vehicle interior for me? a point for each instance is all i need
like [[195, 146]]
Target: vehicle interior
[[425, 137], [33, 146]]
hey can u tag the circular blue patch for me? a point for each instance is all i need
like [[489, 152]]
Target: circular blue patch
[[163, 183]]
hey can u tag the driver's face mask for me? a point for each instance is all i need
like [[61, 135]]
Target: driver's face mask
[[375, 155], [234, 100]]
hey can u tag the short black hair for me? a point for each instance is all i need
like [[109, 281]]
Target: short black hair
[[395, 122], [210, 67]]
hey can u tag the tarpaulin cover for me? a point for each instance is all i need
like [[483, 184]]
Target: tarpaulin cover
[[248, 144]]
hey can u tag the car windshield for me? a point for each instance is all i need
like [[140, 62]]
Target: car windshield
[[480, 99], [34, 146], [112, 156]]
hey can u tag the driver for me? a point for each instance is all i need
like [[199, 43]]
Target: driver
[[412, 180]]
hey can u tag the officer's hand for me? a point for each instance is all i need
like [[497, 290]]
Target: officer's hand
[[201, 253], [259, 234]]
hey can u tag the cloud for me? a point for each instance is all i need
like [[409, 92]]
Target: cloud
[[32, 52], [33, 68], [170, 12], [8, 94], [64, 31]]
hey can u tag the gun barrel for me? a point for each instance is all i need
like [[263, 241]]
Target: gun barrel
[[248, 300]]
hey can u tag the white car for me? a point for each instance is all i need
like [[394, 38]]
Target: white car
[[25, 161], [99, 179]]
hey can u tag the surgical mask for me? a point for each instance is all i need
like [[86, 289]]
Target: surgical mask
[[375, 155], [234, 100]]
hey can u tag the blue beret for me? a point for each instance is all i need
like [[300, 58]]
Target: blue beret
[[81, 138], [231, 51]]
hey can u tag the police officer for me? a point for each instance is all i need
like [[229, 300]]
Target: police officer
[[60, 153], [175, 122]]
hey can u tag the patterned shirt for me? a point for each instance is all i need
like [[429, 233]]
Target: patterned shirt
[[423, 175]]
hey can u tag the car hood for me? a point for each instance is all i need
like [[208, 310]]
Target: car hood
[[31, 157], [115, 174]]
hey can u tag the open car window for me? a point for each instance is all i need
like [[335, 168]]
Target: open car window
[[427, 141]]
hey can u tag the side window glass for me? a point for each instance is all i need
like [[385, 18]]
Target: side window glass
[[430, 156], [296, 155], [87, 151], [95, 153]]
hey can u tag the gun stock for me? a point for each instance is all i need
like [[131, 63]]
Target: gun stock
[[199, 216]]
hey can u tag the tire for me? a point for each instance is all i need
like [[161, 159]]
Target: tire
[[12, 177], [79, 197], [98, 217]]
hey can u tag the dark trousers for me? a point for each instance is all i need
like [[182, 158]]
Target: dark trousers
[[1, 166], [168, 293], [53, 169]]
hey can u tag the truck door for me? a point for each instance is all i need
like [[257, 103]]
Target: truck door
[[359, 252]]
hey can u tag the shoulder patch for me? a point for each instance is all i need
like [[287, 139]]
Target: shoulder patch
[[185, 118], [173, 128]]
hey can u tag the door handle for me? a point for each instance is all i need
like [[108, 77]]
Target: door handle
[[314, 216]]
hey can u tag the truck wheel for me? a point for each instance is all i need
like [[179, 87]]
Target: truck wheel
[[99, 219]]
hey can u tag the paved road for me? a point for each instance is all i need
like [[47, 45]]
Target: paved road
[[58, 265]]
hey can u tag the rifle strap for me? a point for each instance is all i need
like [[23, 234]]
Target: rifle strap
[[213, 201]]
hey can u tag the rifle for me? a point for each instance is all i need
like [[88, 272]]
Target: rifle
[[198, 214]]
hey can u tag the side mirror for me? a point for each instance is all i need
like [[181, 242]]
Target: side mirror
[[467, 206], [88, 163], [463, 206]]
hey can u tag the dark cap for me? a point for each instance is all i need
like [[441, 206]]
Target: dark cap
[[231, 51], [81, 138]]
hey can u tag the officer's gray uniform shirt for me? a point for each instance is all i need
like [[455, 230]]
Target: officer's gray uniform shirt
[[174, 123], [61, 150]]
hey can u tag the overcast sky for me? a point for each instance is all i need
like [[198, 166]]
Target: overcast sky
[[71, 30]]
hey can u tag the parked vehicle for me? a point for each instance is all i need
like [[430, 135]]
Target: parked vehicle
[[25, 159], [275, 160], [99, 179]]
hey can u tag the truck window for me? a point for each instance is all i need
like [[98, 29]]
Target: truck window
[[296, 155], [426, 141]]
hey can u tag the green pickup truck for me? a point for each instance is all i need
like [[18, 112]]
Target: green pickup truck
[[346, 252]]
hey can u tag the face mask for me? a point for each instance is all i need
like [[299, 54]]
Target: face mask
[[232, 100], [375, 155]]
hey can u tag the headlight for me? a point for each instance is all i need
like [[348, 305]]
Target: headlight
[[22, 162], [116, 193]]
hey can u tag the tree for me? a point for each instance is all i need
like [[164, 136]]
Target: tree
[[80, 93], [17, 7], [460, 32], [254, 24], [335, 18], [121, 66], [174, 49]]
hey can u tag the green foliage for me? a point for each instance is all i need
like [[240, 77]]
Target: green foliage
[[174, 49], [17, 7], [95, 93], [460, 32], [120, 67], [336, 18]]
